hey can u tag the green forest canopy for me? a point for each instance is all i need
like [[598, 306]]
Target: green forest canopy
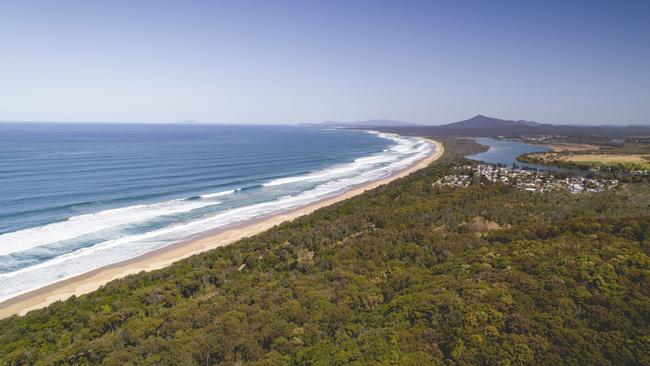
[[406, 274]]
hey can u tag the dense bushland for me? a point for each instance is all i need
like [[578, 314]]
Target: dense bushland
[[406, 274]]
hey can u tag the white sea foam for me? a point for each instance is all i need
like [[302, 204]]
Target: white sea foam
[[329, 182], [218, 194], [77, 226], [402, 146], [316, 176]]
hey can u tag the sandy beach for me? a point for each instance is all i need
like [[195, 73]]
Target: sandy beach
[[163, 257]]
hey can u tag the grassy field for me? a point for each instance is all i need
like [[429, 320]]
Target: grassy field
[[561, 147], [609, 159], [616, 159]]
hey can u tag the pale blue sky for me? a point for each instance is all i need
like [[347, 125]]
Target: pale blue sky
[[306, 61]]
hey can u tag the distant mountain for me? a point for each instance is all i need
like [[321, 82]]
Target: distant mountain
[[483, 126], [482, 122], [365, 124]]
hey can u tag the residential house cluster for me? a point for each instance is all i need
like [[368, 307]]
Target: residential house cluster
[[530, 180]]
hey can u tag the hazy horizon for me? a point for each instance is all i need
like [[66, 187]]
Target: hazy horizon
[[289, 62], [196, 122]]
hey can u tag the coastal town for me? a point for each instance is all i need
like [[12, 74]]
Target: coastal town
[[529, 180]]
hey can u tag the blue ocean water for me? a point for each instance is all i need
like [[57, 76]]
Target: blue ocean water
[[74, 197]]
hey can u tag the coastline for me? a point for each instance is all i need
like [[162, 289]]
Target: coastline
[[163, 257]]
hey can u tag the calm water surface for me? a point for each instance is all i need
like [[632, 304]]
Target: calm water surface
[[505, 152]]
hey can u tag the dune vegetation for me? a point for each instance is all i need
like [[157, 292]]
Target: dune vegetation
[[407, 274]]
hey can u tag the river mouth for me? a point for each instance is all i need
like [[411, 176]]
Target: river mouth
[[505, 152]]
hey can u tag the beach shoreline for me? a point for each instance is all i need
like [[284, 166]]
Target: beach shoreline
[[163, 257]]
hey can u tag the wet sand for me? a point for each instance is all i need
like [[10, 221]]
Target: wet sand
[[163, 257]]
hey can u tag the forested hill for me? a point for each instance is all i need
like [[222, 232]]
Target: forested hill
[[407, 274], [482, 126]]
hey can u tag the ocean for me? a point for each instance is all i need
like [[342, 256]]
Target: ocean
[[75, 197]]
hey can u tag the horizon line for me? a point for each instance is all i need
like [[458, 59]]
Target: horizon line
[[412, 124]]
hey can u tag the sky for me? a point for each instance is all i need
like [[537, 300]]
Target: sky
[[270, 61]]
